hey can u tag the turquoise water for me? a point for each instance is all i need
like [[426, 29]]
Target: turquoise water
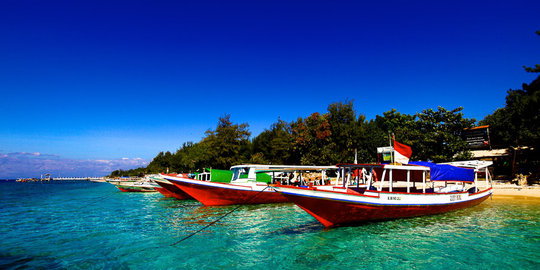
[[85, 225]]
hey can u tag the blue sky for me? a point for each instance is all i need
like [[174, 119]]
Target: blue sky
[[123, 80]]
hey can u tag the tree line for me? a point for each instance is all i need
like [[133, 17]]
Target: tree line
[[333, 136], [319, 139]]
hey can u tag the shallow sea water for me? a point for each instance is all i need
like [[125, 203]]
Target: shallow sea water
[[85, 225]]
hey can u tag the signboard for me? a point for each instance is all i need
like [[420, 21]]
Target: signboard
[[477, 137], [386, 149], [386, 152]]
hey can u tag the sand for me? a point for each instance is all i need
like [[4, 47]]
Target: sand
[[515, 190]]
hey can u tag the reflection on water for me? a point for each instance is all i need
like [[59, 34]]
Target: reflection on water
[[89, 225]]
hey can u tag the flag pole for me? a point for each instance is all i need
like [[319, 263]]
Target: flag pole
[[392, 145]]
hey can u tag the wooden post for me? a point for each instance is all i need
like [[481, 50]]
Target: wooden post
[[390, 179], [408, 181], [424, 181]]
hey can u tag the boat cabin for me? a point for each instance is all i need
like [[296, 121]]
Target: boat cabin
[[282, 174], [416, 177]]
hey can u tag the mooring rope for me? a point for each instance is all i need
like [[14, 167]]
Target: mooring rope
[[215, 221], [95, 200]]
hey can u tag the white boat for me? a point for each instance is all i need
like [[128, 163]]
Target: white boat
[[134, 184], [393, 191]]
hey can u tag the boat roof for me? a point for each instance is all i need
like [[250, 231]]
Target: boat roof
[[461, 171], [270, 168], [447, 172], [385, 166], [475, 164]]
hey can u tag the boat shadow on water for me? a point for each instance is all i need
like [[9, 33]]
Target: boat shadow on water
[[461, 218], [20, 261], [468, 219], [175, 203], [294, 229], [421, 223]]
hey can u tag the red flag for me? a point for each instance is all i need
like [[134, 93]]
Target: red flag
[[402, 152]]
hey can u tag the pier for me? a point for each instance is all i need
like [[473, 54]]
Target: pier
[[76, 178]]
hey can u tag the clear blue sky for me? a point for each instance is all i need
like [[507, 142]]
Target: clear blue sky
[[103, 80]]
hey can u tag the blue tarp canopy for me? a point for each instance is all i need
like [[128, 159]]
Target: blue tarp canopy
[[445, 172]]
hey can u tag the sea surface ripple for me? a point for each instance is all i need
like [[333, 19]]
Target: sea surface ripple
[[85, 225]]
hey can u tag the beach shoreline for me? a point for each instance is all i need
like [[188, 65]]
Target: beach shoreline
[[500, 190]]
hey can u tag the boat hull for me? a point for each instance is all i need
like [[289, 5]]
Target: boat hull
[[215, 194], [332, 212], [135, 189], [171, 191]]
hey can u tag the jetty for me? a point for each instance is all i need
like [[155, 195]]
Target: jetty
[[76, 178]]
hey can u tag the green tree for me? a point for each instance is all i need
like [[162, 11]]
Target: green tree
[[439, 133], [518, 125], [375, 137], [403, 126], [311, 140], [432, 135], [348, 132], [228, 144], [160, 163], [273, 145], [536, 68], [190, 158]]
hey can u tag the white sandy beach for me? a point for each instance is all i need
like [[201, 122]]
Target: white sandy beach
[[515, 190]]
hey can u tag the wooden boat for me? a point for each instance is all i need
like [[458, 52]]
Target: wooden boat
[[27, 180], [131, 185], [248, 185], [168, 189], [393, 191], [136, 187]]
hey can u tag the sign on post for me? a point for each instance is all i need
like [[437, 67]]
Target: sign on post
[[477, 137]]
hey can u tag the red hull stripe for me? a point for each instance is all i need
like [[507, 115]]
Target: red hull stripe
[[125, 189], [285, 193], [174, 191], [214, 195], [338, 212], [163, 192], [369, 203]]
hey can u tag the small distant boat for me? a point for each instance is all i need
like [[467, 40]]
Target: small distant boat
[[393, 191], [248, 185], [133, 185], [23, 180], [46, 178], [136, 187]]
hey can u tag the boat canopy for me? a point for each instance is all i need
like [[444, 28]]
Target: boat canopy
[[446, 172], [265, 173]]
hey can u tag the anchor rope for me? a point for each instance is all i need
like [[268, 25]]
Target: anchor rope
[[95, 200], [220, 218]]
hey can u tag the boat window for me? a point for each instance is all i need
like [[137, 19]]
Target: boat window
[[239, 173]]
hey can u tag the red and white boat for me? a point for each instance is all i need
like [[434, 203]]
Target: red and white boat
[[168, 189], [249, 185], [393, 191]]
